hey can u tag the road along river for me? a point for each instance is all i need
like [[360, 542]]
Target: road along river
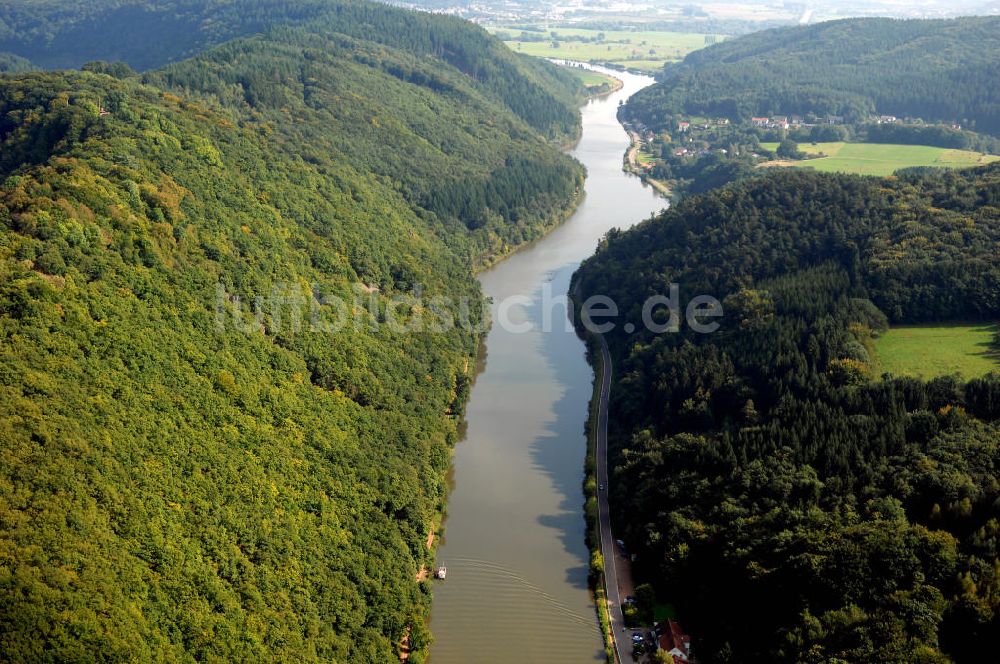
[[514, 541]]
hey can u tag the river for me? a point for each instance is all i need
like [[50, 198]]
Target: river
[[514, 541]]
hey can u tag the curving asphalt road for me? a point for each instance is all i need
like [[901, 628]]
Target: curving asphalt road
[[604, 515]]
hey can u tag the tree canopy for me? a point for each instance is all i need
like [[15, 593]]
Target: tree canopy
[[793, 504], [148, 35], [198, 458]]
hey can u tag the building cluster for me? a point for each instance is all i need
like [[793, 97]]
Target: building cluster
[[777, 122], [685, 126], [697, 152]]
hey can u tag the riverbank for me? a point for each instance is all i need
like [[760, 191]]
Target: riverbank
[[591, 488], [597, 83], [505, 251], [641, 170], [616, 84]]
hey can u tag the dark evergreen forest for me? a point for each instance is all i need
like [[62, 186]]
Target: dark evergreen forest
[[795, 505]]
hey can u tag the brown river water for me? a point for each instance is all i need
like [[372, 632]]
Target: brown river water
[[514, 546]]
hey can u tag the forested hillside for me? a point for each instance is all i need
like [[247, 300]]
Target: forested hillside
[[225, 424], [794, 505], [418, 124], [146, 35], [942, 70], [14, 63]]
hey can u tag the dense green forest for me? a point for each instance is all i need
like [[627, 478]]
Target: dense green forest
[[794, 506], [224, 430], [146, 35], [334, 98], [942, 70]]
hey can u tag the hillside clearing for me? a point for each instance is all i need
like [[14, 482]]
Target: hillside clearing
[[927, 351]]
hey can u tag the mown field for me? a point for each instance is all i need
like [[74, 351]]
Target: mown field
[[879, 158], [938, 350], [642, 50]]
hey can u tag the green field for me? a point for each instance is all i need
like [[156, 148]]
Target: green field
[[938, 350], [592, 80], [642, 50], [880, 159], [642, 157], [588, 77]]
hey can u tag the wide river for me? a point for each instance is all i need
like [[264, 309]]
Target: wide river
[[514, 541]]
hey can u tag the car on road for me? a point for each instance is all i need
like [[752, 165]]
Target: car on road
[[600, 487]]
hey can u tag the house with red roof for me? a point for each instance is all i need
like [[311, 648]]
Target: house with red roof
[[676, 642]]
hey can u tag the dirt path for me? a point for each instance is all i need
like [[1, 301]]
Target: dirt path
[[633, 151]]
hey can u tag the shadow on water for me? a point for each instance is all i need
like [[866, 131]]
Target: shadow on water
[[559, 452], [564, 439], [477, 370], [517, 557]]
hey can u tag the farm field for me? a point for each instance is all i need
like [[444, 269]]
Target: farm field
[[880, 158], [938, 350], [643, 50]]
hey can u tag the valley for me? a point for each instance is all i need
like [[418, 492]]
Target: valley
[[338, 331]]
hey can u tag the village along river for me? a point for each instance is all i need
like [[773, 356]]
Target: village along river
[[514, 546]]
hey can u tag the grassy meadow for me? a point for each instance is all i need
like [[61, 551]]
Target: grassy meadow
[[643, 50], [880, 158], [595, 82], [938, 350], [590, 78]]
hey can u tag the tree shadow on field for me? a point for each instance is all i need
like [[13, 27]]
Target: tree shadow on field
[[990, 349]]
